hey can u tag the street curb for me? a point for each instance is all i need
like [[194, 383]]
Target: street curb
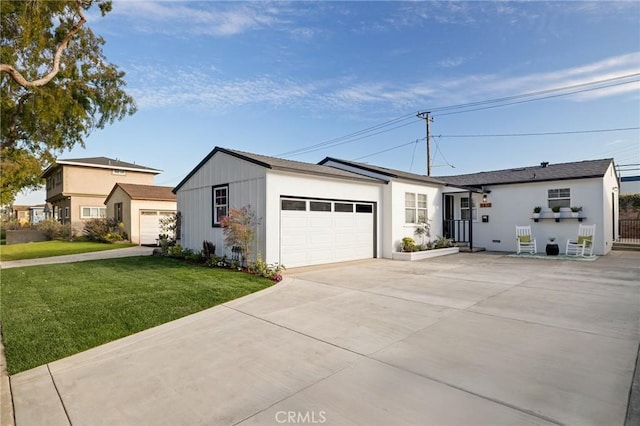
[[6, 400]]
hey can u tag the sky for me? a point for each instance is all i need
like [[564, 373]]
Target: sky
[[307, 80]]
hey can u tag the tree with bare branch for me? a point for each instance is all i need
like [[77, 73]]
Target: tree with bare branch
[[56, 86]]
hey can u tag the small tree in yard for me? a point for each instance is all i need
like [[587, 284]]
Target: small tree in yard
[[239, 227]]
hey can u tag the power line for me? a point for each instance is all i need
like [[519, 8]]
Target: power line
[[570, 132], [333, 141], [537, 93], [377, 129], [389, 149], [494, 135], [538, 99]]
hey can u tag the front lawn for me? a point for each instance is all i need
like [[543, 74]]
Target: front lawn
[[53, 311], [54, 248]]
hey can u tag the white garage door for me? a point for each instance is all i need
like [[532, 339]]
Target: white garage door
[[314, 232], [150, 225]]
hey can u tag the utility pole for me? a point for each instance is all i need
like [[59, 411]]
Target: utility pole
[[425, 116]]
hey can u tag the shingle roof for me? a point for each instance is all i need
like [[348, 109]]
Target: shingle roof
[[145, 192], [392, 173], [540, 173], [279, 164], [102, 162]]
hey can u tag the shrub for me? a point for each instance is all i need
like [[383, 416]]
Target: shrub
[[260, 267], [442, 242], [409, 245], [208, 250], [104, 230], [239, 230], [53, 229]]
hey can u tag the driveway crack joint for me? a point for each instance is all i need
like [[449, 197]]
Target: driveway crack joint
[[66, 413]]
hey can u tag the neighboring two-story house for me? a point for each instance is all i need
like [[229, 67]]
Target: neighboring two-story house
[[77, 188]]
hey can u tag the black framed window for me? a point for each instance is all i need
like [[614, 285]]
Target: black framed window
[[220, 196]]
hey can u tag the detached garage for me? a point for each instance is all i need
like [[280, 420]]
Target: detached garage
[[309, 214], [140, 209]]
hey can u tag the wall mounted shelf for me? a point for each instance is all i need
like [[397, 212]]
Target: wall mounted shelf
[[558, 219]]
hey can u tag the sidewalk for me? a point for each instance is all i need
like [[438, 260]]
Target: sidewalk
[[6, 404], [107, 254]]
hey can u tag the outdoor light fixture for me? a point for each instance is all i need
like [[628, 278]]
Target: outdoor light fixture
[[484, 198]]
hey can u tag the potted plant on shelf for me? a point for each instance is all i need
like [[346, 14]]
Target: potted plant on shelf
[[575, 211], [552, 248], [536, 212], [556, 212]]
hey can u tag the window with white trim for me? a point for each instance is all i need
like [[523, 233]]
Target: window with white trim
[[92, 212], [415, 207], [559, 197], [464, 209], [220, 203]]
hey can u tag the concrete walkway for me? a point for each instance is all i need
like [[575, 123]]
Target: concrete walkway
[[466, 339], [106, 254]]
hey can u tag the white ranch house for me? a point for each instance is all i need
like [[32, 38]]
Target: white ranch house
[[341, 210]]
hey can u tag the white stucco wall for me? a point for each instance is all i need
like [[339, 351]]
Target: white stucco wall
[[400, 229], [513, 205], [280, 183]]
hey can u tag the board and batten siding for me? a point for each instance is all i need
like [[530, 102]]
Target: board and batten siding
[[246, 187]]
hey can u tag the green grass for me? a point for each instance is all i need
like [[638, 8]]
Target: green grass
[[50, 312], [54, 248]]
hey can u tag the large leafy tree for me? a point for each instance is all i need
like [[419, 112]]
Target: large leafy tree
[[56, 86]]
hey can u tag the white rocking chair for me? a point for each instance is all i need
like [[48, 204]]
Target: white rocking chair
[[584, 244], [525, 241]]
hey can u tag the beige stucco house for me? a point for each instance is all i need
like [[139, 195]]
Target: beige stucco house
[[140, 209], [77, 188]]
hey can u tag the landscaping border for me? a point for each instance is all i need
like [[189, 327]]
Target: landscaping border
[[427, 254]]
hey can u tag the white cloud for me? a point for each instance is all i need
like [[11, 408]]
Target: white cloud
[[451, 62], [210, 18], [155, 87]]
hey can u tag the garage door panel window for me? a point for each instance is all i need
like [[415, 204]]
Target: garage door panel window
[[364, 208], [294, 205], [415, 207], [319, 206], [220, 203], [93, 212], [343, 207]]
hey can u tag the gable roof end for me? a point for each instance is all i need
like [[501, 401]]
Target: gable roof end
[[277, 164], [144, 192]]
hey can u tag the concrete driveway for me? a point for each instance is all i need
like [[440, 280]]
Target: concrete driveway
[[466, 339]]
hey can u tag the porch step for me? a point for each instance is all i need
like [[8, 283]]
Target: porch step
[[626, 246]]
